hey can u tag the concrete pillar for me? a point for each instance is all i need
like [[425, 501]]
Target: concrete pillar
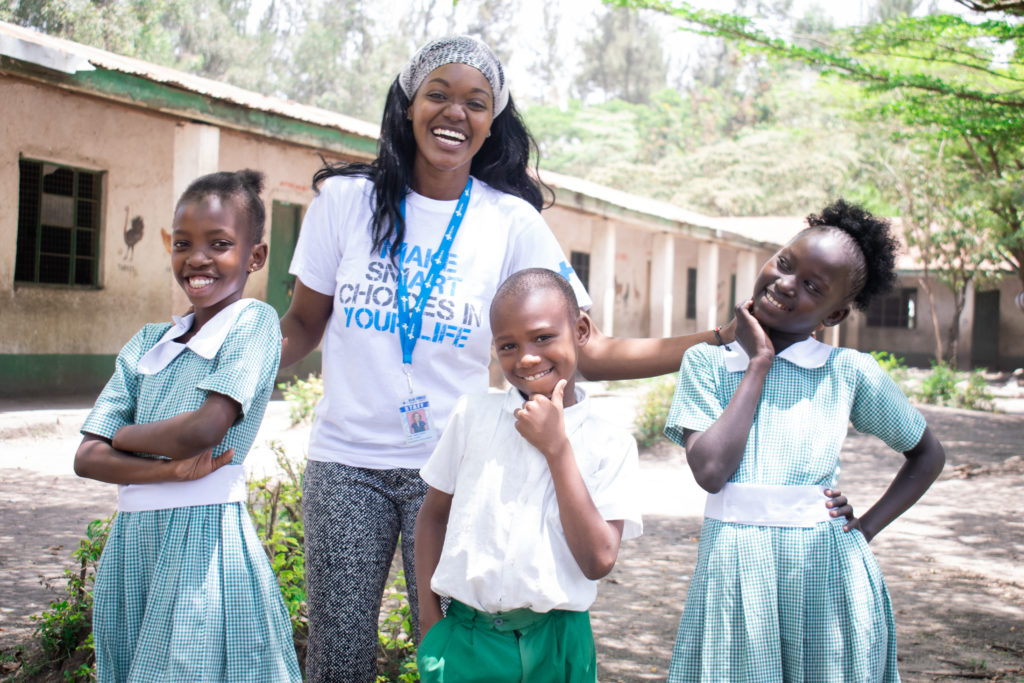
[[662, 277], [965, 340], [707, 286], [196, 153], [602, 275], [747, 268]]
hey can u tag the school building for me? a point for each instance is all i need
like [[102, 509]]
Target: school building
[[95, 148]]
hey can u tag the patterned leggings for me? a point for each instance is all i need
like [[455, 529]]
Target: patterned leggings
[[353, 518]]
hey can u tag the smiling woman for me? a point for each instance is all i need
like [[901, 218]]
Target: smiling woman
[[398, 261]]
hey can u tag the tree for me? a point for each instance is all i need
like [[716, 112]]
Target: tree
[[947, 226], [624, 59], [947, 79]]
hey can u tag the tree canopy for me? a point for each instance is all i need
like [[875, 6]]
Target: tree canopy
[[951, 79]]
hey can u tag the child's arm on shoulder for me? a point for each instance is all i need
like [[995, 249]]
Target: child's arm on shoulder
[[594, 541], [715, 454], [97, 459], [431, 527], [923, 464], [185, 435]]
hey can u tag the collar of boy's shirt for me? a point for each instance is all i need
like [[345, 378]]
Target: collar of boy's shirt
[[809, 353], [206, 342], [574, 415]]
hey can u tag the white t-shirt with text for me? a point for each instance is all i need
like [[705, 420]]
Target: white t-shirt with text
[[358, 421]]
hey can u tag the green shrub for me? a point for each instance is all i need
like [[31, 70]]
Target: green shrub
[[396, 648], [653, 411], [893, 366], [302, 397], [945, 386], [275, 506], [65, 629]]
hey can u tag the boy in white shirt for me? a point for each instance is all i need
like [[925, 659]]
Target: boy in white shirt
[[516, 528]]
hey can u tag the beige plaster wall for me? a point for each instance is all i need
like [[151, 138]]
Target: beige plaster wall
[[575, 230], [135, 151], [919, 343], [289, 176], [1011, 329]]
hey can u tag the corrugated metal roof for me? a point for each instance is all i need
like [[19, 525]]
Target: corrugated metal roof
[[70, 57]]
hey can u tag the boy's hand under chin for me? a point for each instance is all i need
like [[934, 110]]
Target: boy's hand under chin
[[541, 422]]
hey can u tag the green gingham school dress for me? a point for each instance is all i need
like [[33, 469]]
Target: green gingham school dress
[[788, 604], [187, 594]]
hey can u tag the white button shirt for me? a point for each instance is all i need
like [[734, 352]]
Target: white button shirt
[[505, 547]]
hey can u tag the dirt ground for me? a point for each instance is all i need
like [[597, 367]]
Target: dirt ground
[[954, 563]]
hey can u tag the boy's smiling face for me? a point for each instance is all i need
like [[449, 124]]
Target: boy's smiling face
[[536, 342]]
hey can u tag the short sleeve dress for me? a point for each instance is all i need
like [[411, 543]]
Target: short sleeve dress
[[187, 594], [789, 604]]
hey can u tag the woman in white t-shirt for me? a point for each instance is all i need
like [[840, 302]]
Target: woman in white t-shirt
[[452, 147], [396, 266]]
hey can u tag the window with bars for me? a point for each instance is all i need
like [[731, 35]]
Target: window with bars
[[691, 293], [58, 224], [580, 262], [897, 309]]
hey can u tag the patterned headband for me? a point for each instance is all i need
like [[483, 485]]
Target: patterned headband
[[456, 50]]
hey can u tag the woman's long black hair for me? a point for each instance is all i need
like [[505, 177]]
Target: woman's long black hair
[[501, 162]]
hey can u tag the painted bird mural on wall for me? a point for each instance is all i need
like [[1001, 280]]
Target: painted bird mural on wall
[[133, 234]]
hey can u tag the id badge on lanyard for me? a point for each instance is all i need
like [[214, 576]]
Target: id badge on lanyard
[[414, 411]]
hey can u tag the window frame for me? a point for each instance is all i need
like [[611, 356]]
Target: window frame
[[579, 261], [879, 315], [37, 251]]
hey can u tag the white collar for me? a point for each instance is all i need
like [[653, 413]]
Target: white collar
[[574, 415], [206, 342], [809, 353]]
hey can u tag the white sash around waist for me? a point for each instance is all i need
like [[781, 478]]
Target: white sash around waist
[[226, 485], [766, 505]]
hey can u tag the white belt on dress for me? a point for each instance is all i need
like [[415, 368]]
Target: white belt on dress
[[766, 505], [226, 485]]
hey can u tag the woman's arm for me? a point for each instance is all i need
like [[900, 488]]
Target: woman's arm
[[594, 541], [303, 324], [183, 436], [97, 459], [923, 464], [431, 527], [605, 358]]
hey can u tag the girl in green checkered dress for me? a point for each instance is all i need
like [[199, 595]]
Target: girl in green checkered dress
[[782, 590], [184, 590]]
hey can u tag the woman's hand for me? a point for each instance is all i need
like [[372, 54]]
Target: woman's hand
[[201, 465]]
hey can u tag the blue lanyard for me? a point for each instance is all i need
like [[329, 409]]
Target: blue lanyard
[[410, 322]]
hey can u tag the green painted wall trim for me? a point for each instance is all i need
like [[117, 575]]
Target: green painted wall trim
[[193, 105], [34, 375], [42, 375]]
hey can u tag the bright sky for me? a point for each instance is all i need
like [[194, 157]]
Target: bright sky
[[579, 17]]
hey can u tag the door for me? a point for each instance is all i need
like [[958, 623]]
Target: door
[[285, 219], [985, 331]]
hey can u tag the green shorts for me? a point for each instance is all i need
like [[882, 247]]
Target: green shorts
[[520, 645]]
